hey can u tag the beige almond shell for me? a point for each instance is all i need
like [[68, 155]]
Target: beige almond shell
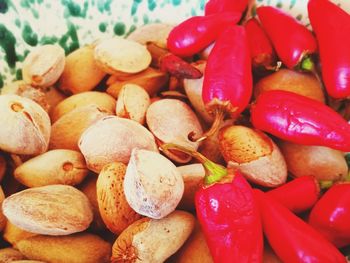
[[322, 162], [171, 121], [49, 210], [81, 72], [53, 96], [2, 217], [43, 66], [25, 126], [133, 102], [156, 33], [53, 167], [111, 139], [67, 130], [192, 175], [114, 209], [153, 186], [101, 99], [152, 80], [13, 234], [9, 254], [151, 240], [76, 248], [118, 55], [27, 261]]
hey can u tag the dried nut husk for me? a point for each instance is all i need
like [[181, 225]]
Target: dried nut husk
[[111, 139], [89, 189], [25, 126], [193, 89], [23, 89], [2, 217], [192, 175], [49, 210], [76, 248], [153, 186], [81, 72], [53, 167], [156, 33], [254, 153], [118, 55], [114, 209], [9, 254], [133, 102], [3, 167], [13, 234], [171, 121], [152, 80], [305, 84], [101, 99], [206, 52], [53, 96], [150, 240], [66, 131], [43, 66], [322, 162]]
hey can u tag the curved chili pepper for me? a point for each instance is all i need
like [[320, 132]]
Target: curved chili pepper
[[298, 195], [261, 49], [220, 6], [291, 238], [332, 27], [198, 32], [228, 213], [331, 215], [301, 120], [292, 41]]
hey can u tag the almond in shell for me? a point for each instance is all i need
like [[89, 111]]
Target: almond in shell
[[9, 254]]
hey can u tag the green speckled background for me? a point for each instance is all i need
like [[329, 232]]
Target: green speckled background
[[25, 24]]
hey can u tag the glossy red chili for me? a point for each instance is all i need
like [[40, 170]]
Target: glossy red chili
[[261, 50], [301, 120], [298, 195], [292, 41], [331, 215], [198, 32], [220, 6], [292, 239], [332, 27]]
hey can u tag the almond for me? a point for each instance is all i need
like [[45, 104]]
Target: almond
[[9, 254], [13, 234]]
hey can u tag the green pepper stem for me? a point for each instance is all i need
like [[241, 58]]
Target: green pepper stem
[[307, 64], [325, 184], [214, 172]]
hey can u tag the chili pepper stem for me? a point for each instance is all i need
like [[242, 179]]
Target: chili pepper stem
[[325, 184], [214, 172], [307, 64]]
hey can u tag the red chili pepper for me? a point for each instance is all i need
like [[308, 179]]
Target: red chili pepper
[[291, 238], [331, 215], [198, 32], [292, 41], [261, 49], [228, 213], [301, 120], [220, 6], [298, 195], [332, 27]]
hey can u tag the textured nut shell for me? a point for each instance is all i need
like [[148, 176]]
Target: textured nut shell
[[154, 241], [27, 261], [101, 99], [269, 170], [290, 80], [116, 55], [176, 129], [81, 72], [66, 131], [53, 167], [49, 210], [156, 33], [43, 66], [114, 209], [13, 234], [25, 126], [8, 255], [53, 96], [111, 140], [153, 186], [193, 175], [77, 248], [322, 162], [152, 80], [133, 102]]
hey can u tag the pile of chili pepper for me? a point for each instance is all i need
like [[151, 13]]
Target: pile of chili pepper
[[233, 215]]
